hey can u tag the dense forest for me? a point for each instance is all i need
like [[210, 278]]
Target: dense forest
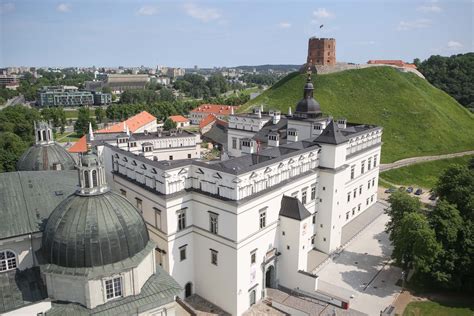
[[454, 75]]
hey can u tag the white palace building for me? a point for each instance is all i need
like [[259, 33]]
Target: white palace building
[[226, 230]]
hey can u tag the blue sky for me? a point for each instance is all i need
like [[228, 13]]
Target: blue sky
[[227, 33]]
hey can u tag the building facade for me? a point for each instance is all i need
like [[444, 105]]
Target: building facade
[[229, 229], [219, 111], [63, 96]]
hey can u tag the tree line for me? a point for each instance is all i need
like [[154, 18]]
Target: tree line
[[454, 75], [437, 244]]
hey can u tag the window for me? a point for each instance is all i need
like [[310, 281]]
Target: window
[[303, 197], [353, 171], [113, 288], [375, 161], [253, 257], [369, 163], [157, 218], [170, 158], [94, 178], [182, 253], [362, 166], [314, 218], [139, 205], [313, 193], [353, 211], [214, 257], [358, 208], [181, 220], [7, 260], [86, 179], [367, 201], [263, 218], [123, 192], [360, 190], [355, 192], [312, 239], [189, 156], [373, 182], [347, 216], [234, 143], [213, 222], [372, 198], [348, 196]]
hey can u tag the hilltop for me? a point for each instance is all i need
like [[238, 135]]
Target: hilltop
[[418, 119]]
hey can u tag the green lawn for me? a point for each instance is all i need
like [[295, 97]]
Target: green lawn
[[418, 119], [435, 309], [71, 114], [66, 137], [423, 174]]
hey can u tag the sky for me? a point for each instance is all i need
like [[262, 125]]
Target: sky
[[227, 33]]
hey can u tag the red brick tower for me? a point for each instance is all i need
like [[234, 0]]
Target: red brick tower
[[321, 51]]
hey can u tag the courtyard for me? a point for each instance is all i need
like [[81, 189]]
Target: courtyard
[[363, 267]]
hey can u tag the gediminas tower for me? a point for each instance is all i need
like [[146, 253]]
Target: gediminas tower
[[321, 51]]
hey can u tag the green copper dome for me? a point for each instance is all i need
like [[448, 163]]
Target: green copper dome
[[42, 157], [93, 230]]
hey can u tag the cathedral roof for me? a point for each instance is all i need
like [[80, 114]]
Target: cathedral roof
[[44, 157]]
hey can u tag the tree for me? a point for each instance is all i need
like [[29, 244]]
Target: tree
[[414, 243], [169, 124], [99, 114], [456, 185], [83, 119], [11, 148], [400, 204]]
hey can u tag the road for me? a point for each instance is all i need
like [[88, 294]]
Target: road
[[13, 101], [414, 160]]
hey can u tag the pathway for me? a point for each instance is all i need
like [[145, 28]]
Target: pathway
[[414, 160]]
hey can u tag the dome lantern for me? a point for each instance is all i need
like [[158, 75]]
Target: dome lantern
[[43, 133], [92, 179]]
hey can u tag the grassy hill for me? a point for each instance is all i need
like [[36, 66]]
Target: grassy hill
[[418, 119]]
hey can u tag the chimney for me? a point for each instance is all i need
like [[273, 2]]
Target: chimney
[[342, 123], [273, 139], [276, 117], [248, 145], [292, 135]]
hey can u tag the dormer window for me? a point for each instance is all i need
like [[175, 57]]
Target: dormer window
[[292, 132]]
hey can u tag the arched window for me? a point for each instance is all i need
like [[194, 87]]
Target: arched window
[[39, 136], [44, 135], [7, 260], [94, 178], [86, 179]]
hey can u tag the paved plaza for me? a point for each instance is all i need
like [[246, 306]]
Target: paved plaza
[[362, 267]]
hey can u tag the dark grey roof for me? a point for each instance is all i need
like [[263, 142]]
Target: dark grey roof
[[308, 105], [89, 231], [43, 157], [332, 135], [159, 289], [291, 207], [217, 134], [20, 288], [27, 198], [278, 128]]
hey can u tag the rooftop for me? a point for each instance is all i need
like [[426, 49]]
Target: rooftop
[[178, 119], [214, 108]]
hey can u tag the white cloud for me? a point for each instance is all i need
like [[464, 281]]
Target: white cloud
[[454, 45], [415, 24], [147, 10], [322, 13], [201, 13], [284, 25], [7, 7], [429, 8], [63, 7]]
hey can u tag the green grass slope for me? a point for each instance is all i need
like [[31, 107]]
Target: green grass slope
[[418, 119], [424, 174]]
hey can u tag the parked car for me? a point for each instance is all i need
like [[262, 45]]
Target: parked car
[[410, 190], [418, 191], [391, 190], [401, 189]]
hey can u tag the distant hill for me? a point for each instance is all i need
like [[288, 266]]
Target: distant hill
[[418, 119]]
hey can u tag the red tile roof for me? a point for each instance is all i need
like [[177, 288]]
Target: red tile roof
[[133, 123], [207, 120], [217, 109], [398, 63], [178, 119]]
